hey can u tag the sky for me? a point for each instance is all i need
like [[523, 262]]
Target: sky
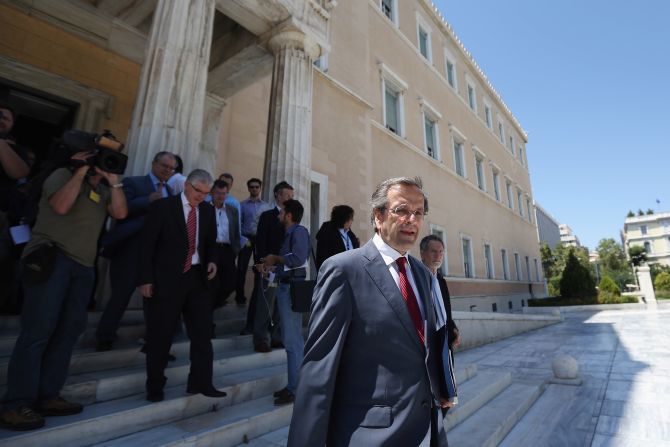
[[589, 81]]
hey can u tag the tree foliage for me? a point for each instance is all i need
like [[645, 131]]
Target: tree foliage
[[656, 269], [608, 285], [630, 214], [613, 263], [576, 280], [662, 281], [637, 255]]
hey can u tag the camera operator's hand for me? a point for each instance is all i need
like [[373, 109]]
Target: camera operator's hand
[[112, 179], [81, 163]]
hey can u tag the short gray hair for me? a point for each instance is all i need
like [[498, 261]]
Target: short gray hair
[[200, 175], [423, 245], [379, 199]]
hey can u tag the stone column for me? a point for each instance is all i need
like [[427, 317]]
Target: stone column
[[169, 109], [211, 128], [646, 286], [289, 141]]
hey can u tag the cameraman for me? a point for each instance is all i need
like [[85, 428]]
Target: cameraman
[[58, 275]]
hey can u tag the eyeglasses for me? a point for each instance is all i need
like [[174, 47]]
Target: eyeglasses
[[198, 189], [405, 213], [165, 166]]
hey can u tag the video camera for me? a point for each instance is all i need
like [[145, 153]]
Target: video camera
[[106, 147]]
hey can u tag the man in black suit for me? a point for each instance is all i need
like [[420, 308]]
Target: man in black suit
[[432, 256], [122, 243], [335, 235], [269, 237], [177, 264], [227, 242]]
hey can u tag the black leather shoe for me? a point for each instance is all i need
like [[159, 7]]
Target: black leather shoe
[[280, 392], [287, 398], [262, 347], [209, 392], [155, 396], [104, 346], [277, 344]]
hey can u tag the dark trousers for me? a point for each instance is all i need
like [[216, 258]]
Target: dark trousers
[[53, 318], [226, 274], [266, 327], [123, 269], [243, 266], [192, 298]]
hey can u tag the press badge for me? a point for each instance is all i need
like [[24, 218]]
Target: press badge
[[94, 196]]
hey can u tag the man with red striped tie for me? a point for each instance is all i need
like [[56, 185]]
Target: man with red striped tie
[[177, 265]]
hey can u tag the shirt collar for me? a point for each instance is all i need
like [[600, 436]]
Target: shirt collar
[[389, 254], [154, 179], [184, 200], [344, 232]]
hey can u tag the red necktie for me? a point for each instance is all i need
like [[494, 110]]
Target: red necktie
[[410, 298], [190, 232]]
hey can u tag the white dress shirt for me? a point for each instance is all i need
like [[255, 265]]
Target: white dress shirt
[[222, 225]]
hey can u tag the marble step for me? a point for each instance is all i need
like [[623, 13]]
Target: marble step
[[226, 427], [279, 437], [115, 384], [473, 394], [127, 334], [88, 360], [111, 420], [488, 426]]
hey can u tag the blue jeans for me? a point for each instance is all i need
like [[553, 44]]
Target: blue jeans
[[291, 335], [52, 319]]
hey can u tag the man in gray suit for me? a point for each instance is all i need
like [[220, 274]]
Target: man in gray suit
[[371, 374]]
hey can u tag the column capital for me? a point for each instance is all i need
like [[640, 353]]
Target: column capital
[[290, 36]]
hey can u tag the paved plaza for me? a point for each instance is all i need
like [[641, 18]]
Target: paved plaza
[[624, 360], [624, 398]]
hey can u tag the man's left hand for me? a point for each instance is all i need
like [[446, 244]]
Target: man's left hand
[[112, 179], [444, 403], [211, 270]]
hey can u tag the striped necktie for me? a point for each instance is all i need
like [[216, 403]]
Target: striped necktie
[[190, 232]]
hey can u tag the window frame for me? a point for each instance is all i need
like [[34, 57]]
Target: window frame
[[508, 191], [398, 86], [495, 175], [517, 266], [394, 11], [501, 130], [504, 259], [422, 24], [471, 100], [437, 230], [428, 112], [458, 138], [480, 175], [450, 59], [469, 267], [488, 114], [488, 261]]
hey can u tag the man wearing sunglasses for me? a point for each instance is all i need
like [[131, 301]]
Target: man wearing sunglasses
[[177, 265], [122, 244]]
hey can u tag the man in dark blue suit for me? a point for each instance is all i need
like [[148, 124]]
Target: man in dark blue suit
[[122, 244]]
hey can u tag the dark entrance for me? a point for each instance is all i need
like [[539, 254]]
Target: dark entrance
[[40, 117]]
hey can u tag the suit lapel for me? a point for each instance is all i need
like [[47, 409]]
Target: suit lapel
[[149, 184], [178, 208], [379, 273], [424, 291]]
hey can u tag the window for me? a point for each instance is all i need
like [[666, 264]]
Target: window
[[522, 158], [505, 264], [517, 266], [537, 270], [643, 229], [511, 144], [393, 89], [510, 201], [450, 69], [389, 9], [472, 97], [430, 136], [423, 37], [496, 183], [458, 158], [529, 209], [430, 127], [501, 132], [423, 43], [487, 115], [442, 234], [647, 247], [519, 202], [479, 169], [488, 260], [467, 258], [528, 269]]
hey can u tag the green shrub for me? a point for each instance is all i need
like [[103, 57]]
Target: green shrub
[[607, 284], [662, 281], [554, 286], [605, 297], [576, 280]]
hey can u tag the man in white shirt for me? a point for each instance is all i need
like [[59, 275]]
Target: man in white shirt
[[227, 241]]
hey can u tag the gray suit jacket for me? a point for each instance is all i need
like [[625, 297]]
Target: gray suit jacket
[[233, 227], [366, 379]]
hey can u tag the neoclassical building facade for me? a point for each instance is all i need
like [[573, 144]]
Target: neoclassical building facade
[[331, 96]]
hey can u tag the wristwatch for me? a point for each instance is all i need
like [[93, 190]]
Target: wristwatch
[[118, 185]]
